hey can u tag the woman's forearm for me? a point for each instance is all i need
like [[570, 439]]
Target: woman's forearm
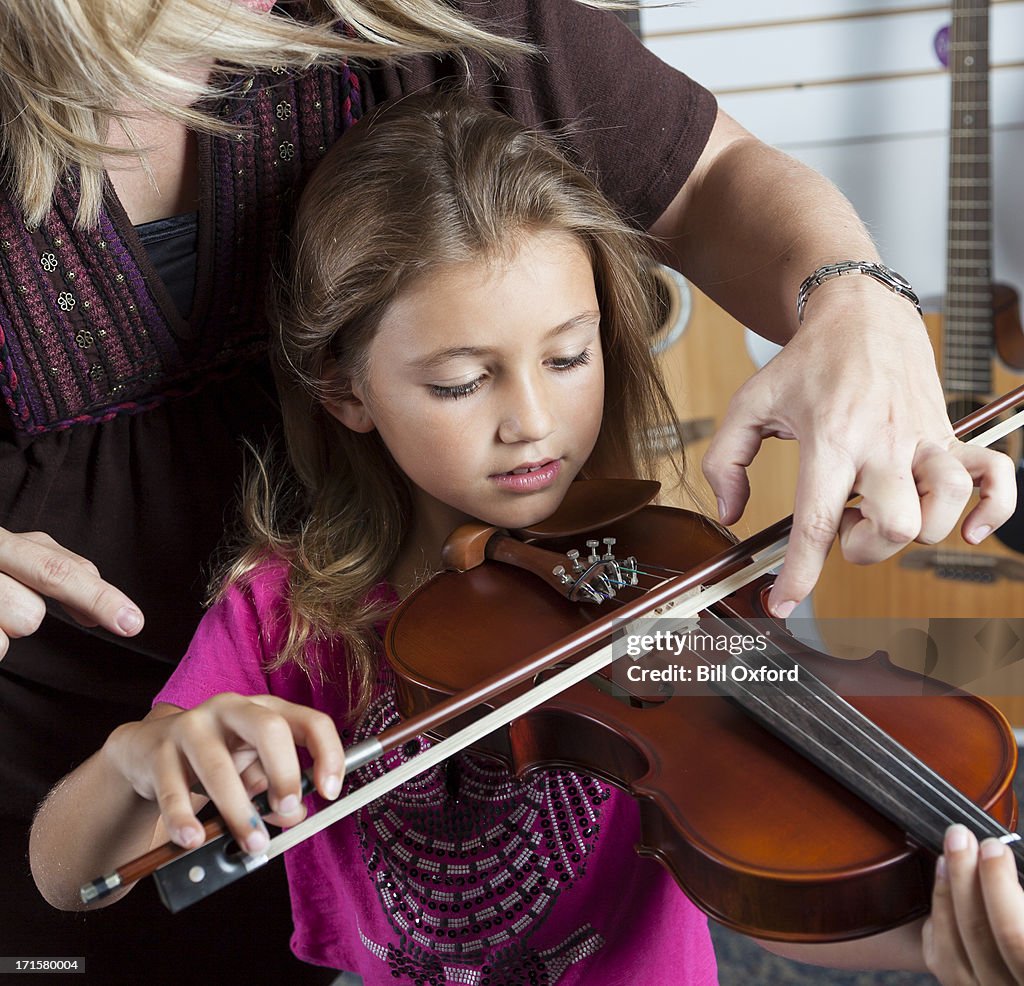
[[752, 223]]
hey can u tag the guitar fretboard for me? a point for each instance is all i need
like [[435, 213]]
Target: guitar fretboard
[[966, 363]]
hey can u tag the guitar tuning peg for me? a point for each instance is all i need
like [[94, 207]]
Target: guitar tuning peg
[[593, 546], [574, 556], [609, 543]]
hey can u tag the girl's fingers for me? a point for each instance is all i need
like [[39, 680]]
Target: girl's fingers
[[959, 891], [961, 854], [944, 951], [274, 735], [269, 731], [233, 747], [271, 728], [171, 793], [216, 771], [1004, 903]]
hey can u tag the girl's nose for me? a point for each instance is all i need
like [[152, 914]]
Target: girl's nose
[[527, 416]]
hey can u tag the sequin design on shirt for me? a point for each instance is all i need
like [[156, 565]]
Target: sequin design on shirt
[[465, 881]]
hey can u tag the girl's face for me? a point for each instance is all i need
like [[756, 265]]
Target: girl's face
[[486, 383]]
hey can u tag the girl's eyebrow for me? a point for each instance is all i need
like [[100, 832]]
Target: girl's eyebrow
[[437, 358]]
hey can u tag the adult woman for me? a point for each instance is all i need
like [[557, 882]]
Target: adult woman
[[129, 383]]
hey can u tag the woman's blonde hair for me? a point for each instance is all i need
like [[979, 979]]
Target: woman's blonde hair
[[71, 68], [419, 185]]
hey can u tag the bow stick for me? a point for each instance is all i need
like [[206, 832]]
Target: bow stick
[[214, 866]]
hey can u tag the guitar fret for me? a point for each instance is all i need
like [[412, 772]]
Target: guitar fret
[[967, 333]]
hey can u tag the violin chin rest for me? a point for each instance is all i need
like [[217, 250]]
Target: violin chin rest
[[593, 503]]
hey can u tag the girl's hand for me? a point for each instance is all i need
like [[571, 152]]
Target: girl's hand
[[33, 567], [975, 934], [235, 746]]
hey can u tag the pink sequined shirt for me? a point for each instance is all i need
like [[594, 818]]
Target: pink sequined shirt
[[464, 875]]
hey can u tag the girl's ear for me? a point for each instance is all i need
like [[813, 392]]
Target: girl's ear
[[351, 412], [349, 409]]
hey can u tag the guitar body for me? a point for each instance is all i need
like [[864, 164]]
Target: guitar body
[[703, 369], [980, 353]]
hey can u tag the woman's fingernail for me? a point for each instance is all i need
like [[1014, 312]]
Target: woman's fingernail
[[980, 533], [288, 805], [783, 609], [721, 510], [956, 838], [128, 619], [332, 787]]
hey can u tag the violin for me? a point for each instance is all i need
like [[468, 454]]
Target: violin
[[759, 838], [814, 817]]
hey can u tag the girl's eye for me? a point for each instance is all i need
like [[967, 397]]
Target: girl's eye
[[571, 362], [459, 390]]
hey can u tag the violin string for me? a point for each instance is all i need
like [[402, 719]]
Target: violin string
[[868, 731], [919, 771]]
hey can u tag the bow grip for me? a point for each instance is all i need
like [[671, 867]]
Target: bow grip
[[203, 871]]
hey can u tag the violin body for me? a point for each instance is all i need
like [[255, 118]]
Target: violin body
[[760, 838]]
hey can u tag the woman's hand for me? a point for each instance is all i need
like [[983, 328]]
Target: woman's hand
[[235, 747], [975, 934], [856, 386], [34, 567]]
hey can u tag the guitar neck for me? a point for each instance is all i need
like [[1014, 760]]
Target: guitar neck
[[967, 327]]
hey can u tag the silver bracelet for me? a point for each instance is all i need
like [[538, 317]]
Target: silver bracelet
[[896, 283]]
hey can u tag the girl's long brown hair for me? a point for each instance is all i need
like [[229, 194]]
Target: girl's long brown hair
[[419, 185]]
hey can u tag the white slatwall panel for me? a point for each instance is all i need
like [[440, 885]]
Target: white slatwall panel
[[864, 100]]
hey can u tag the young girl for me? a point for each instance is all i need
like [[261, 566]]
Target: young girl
[[462, 332]]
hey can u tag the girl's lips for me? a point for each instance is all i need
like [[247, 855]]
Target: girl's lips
[[535, 478]]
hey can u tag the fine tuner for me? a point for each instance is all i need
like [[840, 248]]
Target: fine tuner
[[592, 579], [710, 577], [600, 577]]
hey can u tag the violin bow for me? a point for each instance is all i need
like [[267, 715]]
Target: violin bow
[[185, 876]]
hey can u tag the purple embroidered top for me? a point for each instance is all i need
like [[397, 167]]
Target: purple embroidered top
[[464, 875]]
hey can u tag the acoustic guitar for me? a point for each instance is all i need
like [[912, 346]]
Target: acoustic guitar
[[980, 351], [706, 355]]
